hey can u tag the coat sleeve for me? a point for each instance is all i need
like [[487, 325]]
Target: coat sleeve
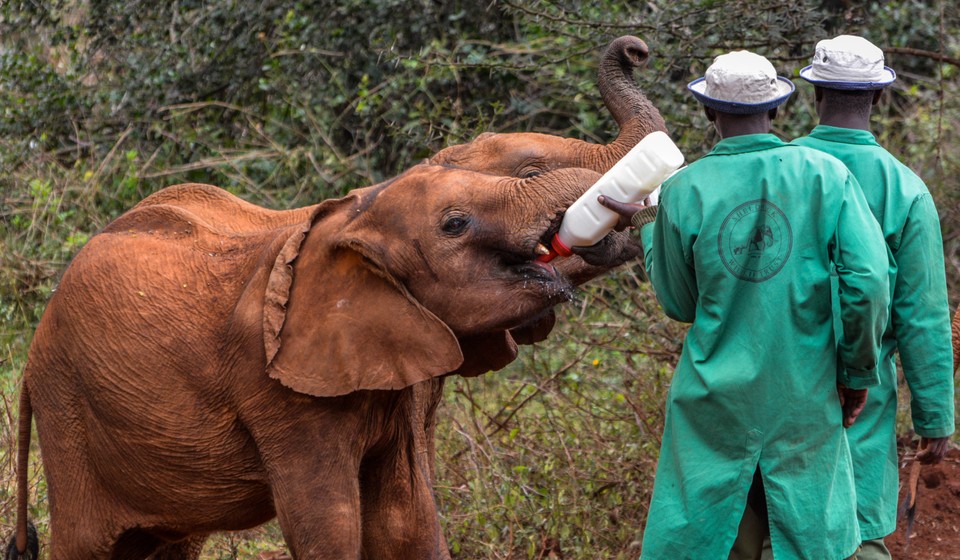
[[921, 320], [669, 268], [859, 253]]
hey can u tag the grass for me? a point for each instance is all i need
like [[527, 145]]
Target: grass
[[552, 457], [555, 453]]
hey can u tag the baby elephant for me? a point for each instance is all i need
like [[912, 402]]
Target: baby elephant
[[206, 364]]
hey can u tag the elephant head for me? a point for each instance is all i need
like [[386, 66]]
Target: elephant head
[[527, 154], [524, 154], [425, 265]]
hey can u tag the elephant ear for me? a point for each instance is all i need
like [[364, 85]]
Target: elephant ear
[[335, 322]]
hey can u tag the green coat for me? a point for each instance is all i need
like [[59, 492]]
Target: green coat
[[742, 247], [919, 327]]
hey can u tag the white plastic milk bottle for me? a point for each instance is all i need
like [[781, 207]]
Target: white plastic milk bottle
[[632, 178]]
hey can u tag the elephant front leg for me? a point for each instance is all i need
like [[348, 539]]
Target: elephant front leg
[[399, 513], [318, 509]]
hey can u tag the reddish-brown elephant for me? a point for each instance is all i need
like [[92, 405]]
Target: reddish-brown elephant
[[206, 365], [520, 154], [527, 154]]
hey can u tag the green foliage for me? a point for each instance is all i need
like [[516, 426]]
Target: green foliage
[[556, 453], [288, 102]]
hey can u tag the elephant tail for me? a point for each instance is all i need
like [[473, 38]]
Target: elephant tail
[[25, 545]]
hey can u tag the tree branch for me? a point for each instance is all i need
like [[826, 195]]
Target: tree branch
[[925, 54]]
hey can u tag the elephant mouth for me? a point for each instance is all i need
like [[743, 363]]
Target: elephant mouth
[[516, 259], [542, 277], [534, 270], [543, 280]]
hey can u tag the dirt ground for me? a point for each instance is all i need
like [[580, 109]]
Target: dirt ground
[[936, 528]]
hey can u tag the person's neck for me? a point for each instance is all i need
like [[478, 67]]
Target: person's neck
[[743, 132], [845, 120], [742, 127]]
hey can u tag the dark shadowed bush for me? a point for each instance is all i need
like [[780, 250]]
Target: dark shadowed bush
[[285, 103]]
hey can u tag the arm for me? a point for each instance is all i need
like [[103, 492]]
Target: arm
[[671, 275], [921, 323], [860, 255]]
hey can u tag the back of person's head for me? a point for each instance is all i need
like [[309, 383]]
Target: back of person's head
[[857, 102], [741, 83], [848, 63]]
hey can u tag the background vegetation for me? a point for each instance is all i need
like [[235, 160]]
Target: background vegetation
[[285, 103]]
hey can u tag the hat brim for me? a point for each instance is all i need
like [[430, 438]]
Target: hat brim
[[807, 72], [698, 86]]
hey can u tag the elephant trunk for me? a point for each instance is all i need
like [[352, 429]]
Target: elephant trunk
[[632, 110]]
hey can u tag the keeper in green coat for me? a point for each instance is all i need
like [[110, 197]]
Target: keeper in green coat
[[742, 246], [849, 75]]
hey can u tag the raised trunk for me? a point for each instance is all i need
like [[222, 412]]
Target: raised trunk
[[629, 106]]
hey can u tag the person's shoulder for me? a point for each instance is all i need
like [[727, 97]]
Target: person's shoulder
[[803, 141], [906, 175], [801, 147], [684, 182], [684, 174], [810, 156]]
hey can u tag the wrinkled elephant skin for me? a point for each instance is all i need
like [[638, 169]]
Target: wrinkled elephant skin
[[206, 364]]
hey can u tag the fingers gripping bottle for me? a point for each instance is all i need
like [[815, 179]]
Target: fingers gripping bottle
[[632, 178]]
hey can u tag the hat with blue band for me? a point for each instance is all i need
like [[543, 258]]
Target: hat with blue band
[[743, 83], [848, 62]]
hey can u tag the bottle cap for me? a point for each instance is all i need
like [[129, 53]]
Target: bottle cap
[[557, 248], [560, 247], [548, 257]]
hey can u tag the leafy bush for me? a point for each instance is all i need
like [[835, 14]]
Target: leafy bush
[[289, 102]]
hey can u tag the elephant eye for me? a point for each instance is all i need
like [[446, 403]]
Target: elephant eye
[[455, 224], [530, 173]]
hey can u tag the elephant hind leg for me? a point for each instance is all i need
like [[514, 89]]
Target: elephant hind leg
[[139, 544], [135, 544], [188, 549]]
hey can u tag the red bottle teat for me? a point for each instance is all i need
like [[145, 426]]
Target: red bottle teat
[[557, 248]]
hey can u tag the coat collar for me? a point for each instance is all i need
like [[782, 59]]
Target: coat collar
[[843, 135], [746, 143]]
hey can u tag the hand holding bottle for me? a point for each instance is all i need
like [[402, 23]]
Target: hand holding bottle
[[615, 249], [635, 176], [626, 210]]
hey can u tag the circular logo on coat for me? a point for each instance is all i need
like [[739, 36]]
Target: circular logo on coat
[[755, 240]]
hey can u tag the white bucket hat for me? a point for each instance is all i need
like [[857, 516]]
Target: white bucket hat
[[848, 62], [741, 82]]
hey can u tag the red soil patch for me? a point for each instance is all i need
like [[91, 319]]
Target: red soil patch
[[936, 527]]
